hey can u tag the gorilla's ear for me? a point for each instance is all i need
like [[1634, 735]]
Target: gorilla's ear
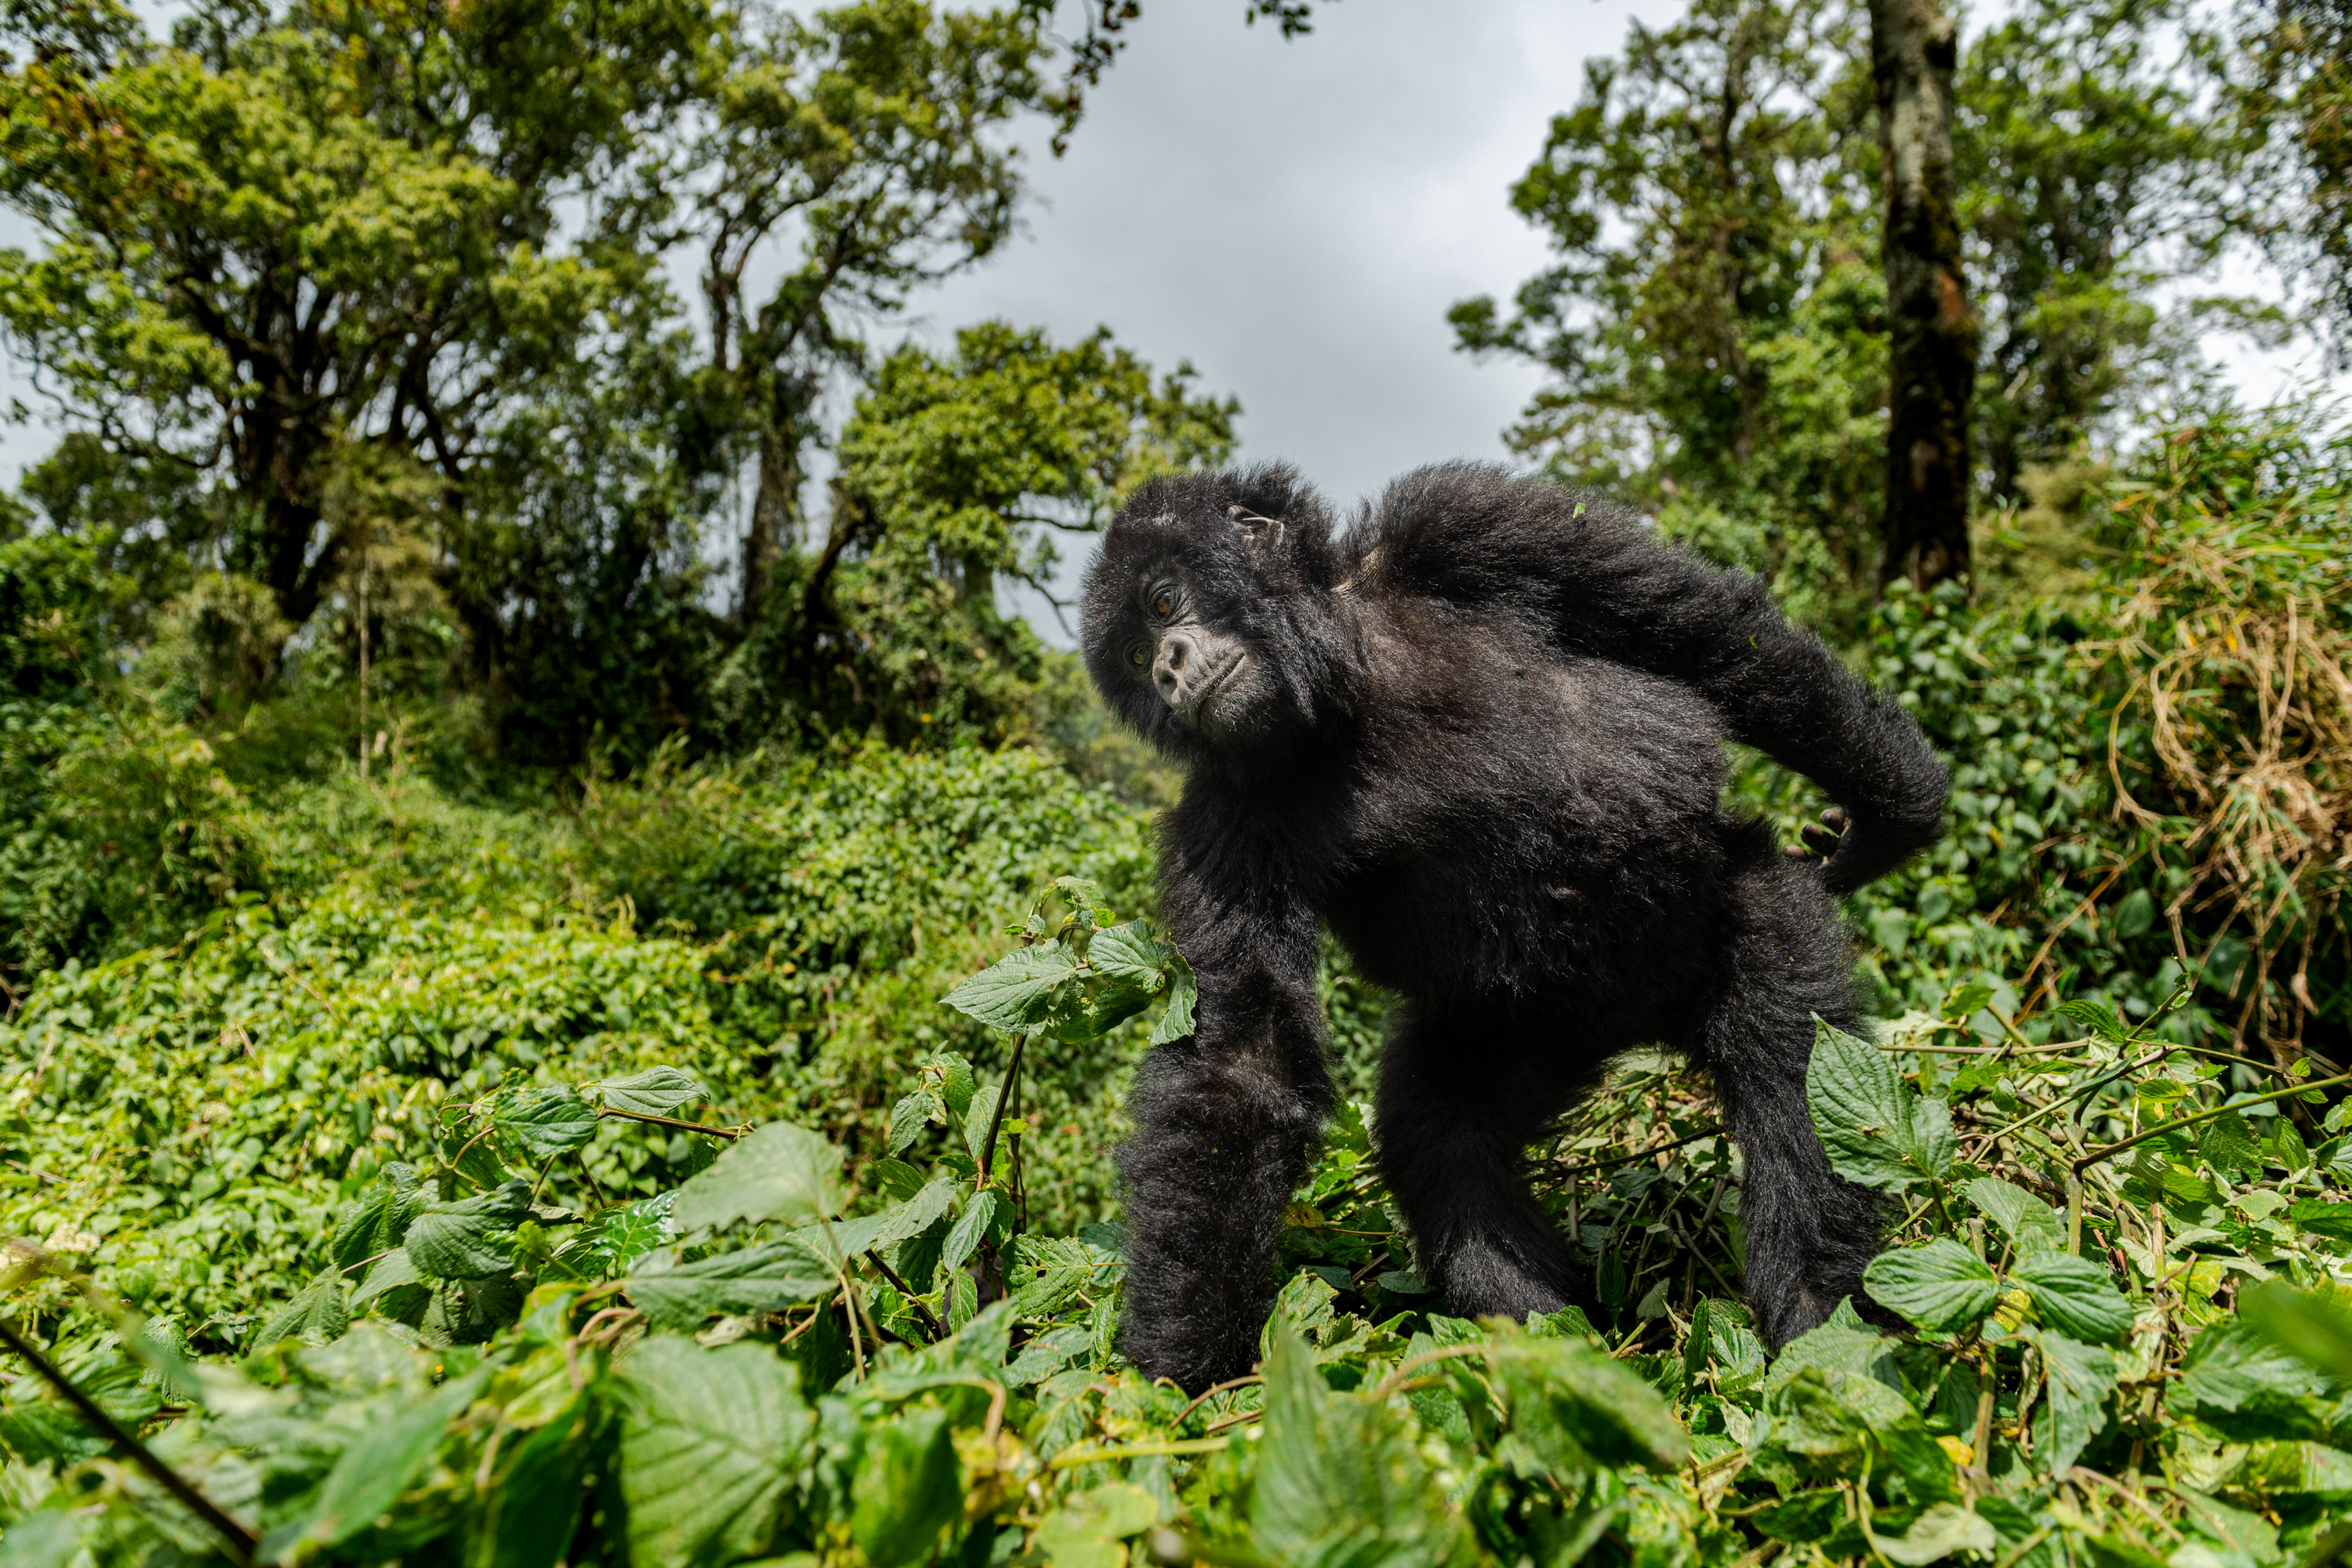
[[1257, 532]]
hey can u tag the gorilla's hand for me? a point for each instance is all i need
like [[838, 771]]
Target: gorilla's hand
[[1850, 853]]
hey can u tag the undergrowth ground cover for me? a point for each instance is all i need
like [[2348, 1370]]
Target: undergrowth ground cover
[[716, 1171]]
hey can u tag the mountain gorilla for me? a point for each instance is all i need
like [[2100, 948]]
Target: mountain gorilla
[[1479, 735]]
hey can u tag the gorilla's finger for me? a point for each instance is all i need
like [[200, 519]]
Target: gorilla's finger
[[1798, 852], [1837, 818], [1818, 840]]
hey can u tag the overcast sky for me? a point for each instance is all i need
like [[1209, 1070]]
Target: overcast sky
[[1295, 218]]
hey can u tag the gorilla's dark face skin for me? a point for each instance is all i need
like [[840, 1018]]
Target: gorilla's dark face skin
[[1478, 737], [1203, 620]]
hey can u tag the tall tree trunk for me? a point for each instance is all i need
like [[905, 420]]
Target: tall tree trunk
[[1932, 358]]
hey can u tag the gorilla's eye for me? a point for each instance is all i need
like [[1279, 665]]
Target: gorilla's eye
[[1163, 602], [1138, 656]]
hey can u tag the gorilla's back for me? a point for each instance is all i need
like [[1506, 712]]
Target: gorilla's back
[[1578, 844]]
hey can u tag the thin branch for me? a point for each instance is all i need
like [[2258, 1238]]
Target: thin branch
[[242, 1543]]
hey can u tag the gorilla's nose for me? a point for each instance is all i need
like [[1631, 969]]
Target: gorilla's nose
[[1171, 669]]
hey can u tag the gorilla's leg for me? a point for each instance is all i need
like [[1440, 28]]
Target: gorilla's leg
[[1220, 1143], [1786, 959], [1453, 1126]]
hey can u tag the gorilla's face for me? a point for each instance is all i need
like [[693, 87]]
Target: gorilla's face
[[1201, 613], [1209, 678]]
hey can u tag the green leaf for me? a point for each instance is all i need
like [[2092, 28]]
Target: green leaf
[[469, 1239], [895, 1179], [316, 1316], [1941, 1286], [2249, 1386], [1340, 1478], [853, 1237], [2323, 1216], [1176, 1018], [1019, 991], [1565, 1386], [907, 1120], [964, 1238], [387, 1455], [2228, 1144], [545, 1122], [1941, 1529], [2074, 1296], [1091, 1018], [390, 1273], [656, 1091], [709, 1443], [779, 1172], [532, 1515], [1876, 1131], [1086, 1530], [909, 1487], [2078, 1379], [2315, 1325], [2097, 1018], [1131, 952], [2031, 1224], [756, 1280], [375, 1222], [955, 1082]]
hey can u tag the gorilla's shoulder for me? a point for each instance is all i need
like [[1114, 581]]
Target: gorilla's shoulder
[[1449, 525]]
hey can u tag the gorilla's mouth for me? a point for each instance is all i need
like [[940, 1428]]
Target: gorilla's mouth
[[1198, 706]]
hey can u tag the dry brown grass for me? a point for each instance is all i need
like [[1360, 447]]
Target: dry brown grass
[[2230, 746]]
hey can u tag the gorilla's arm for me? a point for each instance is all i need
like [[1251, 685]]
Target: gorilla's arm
[[1600, 581], [1224, 1118]]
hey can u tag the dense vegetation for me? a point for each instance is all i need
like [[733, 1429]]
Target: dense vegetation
[[520, 1046]]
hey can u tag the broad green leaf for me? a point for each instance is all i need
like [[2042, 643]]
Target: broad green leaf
[[756, 1280], [2227, 1143], [375, 1223], [709, 1443], [316, 1316], [391, 1272], [1093, 1017], [1564, 1385], [2074, 1295], [1840, 1421], [545, 1122], [1940, 1531], [1876, 1131], [1844, 1344], [2097, 1018], [1340, 1478], [378, 1466], [1086, 1530], [41, 1429], [1176, 1018], [2315, 1325], [2323, 1216], [955, 1082], [851, 1238], [532, 1515], [895, 1179], [2077, 1380], [1940, 1285], [469, 1239], [656, 1091], [907, 1120], [1019, 991], [2244, 1383], [964, 1238], [778, 1171], [908, 1488], [2029, 1224], [1131, 952]]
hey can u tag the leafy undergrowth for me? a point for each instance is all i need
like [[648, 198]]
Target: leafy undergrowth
[[2115, 1247]]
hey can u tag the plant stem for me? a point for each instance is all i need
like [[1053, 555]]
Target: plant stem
[[996, 1118], [2096, 1155], [728, 1133], [874, 1257], [242, 1543]]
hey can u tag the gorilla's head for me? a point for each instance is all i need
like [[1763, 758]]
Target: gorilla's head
[[1206, 618]]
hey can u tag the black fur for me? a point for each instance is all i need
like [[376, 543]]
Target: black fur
[[1479, 735]]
